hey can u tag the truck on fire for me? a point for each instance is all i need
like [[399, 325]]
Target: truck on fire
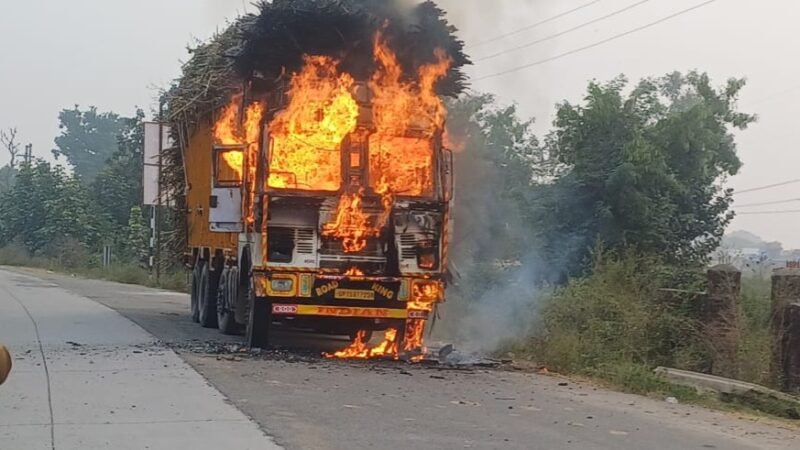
[[317, 190]]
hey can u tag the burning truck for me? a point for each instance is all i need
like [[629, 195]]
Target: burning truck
[[310, 162]]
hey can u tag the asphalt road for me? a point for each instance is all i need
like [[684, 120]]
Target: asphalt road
[[305, 402], [85, 377]]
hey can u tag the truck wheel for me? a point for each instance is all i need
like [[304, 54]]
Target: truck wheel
[[226, 301], [209, 282], [259, 321], [194, 298]]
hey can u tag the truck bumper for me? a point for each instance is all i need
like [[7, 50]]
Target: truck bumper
[[359, 312], [299, 294]]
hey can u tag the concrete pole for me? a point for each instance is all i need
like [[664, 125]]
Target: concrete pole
[[786, 329], [720, 314]]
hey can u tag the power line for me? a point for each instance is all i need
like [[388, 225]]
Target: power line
[[567, 31], [770, 186], [596, 44], [534, 25], [777, 202], [754, 213]]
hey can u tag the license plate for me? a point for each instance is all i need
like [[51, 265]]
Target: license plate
[[354, 294]]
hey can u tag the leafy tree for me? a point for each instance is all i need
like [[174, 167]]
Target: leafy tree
[[137, 238], [7, 176], [118, 186], [46, 205], [642, 170], [88, 139]]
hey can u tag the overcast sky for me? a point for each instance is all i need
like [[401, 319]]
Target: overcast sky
[[114, 54]]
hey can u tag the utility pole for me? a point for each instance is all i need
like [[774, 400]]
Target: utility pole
[[157, 212], [28, 154]]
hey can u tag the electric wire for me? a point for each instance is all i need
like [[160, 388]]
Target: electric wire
[[596, 44], [769, 186], [534, 25], [562, 33]]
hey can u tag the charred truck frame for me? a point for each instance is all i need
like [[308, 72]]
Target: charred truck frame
[[319, 197]]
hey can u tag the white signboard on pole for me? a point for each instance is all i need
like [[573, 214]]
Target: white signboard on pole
[[152, 148]]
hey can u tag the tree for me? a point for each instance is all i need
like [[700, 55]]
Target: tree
[[642, 170], [118, 186], [88, 139], [137, 238], [46, 206]]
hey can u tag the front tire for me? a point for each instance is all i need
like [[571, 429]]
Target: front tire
[[194, 298], [209, 283], [259, 320]]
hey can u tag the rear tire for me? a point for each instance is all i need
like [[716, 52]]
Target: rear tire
[[226, 300], [208, 298], [259, 320], [194, 298]]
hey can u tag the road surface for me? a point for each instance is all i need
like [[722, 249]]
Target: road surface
[[302, 402], [85, 377]]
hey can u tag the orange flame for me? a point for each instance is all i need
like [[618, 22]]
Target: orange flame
[[229, 131], [360, 350], [400, 107], [252, 128], [226, 130], [424, 296], [351, 224], [414, 340], [399, 164], [354, 272], [307, 135]]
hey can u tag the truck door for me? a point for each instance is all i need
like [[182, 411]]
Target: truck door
[[225, 206]]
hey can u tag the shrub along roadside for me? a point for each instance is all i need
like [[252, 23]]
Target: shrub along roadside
[[616, 326]]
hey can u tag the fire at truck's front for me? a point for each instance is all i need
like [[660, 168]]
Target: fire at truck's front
[[356, 202]]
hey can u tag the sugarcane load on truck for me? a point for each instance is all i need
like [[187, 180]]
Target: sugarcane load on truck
[[309, 159]]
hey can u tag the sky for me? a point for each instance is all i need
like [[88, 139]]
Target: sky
[[116, 54]]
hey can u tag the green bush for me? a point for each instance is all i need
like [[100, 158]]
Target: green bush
[[616, 316], [617, 324], [16, 255]]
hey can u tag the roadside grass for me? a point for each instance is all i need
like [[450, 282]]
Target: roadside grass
[[119, 272], [615, 327], [755, 342]]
